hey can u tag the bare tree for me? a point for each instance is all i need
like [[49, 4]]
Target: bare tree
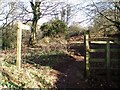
[[112, 14], [66, 13], [9, 13], [7, 22], [33, 11], [36, 16]]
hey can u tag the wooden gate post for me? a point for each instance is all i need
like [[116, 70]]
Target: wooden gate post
[[19, 38], [87, 54], [108, 59]]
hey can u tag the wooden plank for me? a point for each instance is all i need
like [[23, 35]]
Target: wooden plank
[[97, 60], [115, 59], [102, 39], [22, 26], [103, 76], [100, 42], [115, 50], [26, 27], [97, 68], [114, 68], [96, 50], [98, 76], [76, 42], [96, 42]]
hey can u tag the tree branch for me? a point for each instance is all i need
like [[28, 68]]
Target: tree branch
[[116, 23]]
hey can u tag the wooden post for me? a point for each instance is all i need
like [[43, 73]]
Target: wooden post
[[108, 59], [87, 54], [19, 38]]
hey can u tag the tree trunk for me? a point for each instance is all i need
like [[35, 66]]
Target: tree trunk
[[32, 40], [36, 16]]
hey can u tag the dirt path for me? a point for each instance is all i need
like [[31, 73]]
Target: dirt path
[[73, 75]]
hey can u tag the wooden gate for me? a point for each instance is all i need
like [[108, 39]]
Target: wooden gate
[[109, 50]]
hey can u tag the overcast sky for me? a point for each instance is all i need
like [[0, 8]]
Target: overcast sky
[[80, 16], [77, 18]]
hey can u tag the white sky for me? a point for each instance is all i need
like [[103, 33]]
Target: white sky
[[79, 17]]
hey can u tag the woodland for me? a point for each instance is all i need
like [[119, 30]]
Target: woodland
[[55, 53]]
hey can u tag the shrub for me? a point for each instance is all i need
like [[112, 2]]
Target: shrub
[[54, 28]]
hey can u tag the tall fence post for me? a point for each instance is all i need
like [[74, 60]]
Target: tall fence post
[[19, 38], [108, 59], [87, 54]]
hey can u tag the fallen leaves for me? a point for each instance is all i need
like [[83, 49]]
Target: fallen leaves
[[44, 77]]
